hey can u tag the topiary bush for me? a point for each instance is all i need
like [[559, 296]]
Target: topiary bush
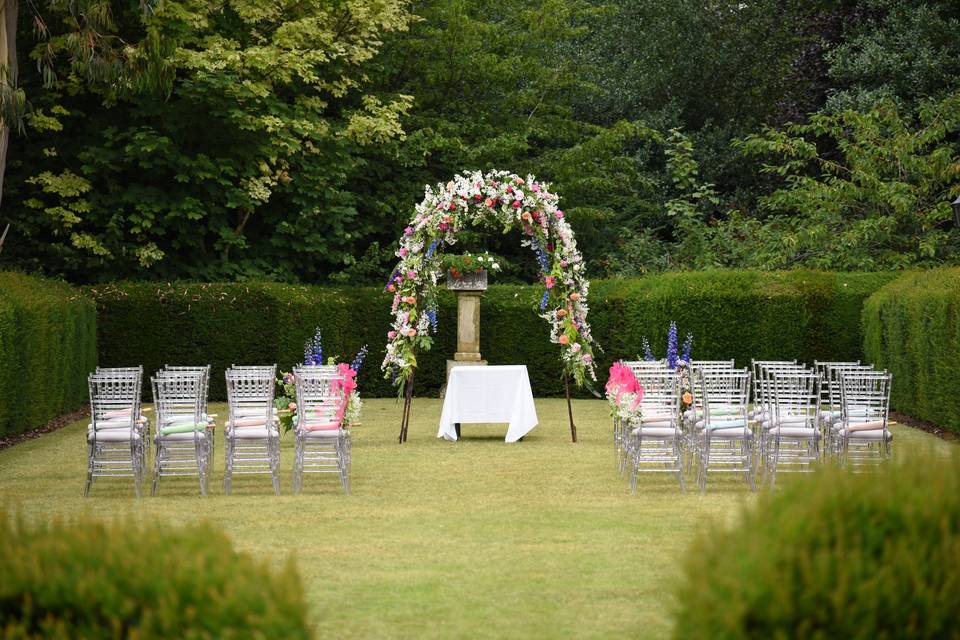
[[734, 314], [834, 555], [47, 348], [912, 329], [88, 579]]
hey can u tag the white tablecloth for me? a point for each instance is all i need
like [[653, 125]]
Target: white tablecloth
[[484, 394]]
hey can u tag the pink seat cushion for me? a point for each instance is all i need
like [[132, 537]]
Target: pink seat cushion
[[321, 426]]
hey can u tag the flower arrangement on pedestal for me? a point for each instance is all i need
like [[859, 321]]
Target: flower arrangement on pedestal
[[624, 393], [510, 201], [286, 400], [458, 265]]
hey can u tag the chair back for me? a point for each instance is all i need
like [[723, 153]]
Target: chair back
[[796, 398], [178, 398], [115, 397], [321, 402], [725, 394], [250, 395], [865, 398]]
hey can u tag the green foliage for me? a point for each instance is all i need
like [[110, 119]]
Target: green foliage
[[835, 555], [912, 329], [881, 202], [85, 578], [806, 315], [47, 348]]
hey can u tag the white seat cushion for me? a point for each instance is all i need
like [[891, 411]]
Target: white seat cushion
[[324, 434], [795, 432], [873, 435], [181, 436], [656, 432], [113, 435], [731, 432], [252, 433]]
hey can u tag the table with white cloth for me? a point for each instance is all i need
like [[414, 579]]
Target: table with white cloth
[[488, 394]]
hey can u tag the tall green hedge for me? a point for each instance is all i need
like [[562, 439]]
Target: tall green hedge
[[912, 328], [733, 314], [89, 579], [47, 348]]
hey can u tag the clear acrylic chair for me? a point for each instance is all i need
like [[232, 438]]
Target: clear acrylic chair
[[764, 406], [864, 431], [724, 440], [831, 400], [792, 441], [116, 435], [253, 431], [639, 368], [181, 437], [204, 371], [654, 445], [321, 443]]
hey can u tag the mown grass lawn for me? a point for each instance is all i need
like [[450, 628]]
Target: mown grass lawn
[[438, 539]]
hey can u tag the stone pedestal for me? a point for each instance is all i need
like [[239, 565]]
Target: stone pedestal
[[469, 290]]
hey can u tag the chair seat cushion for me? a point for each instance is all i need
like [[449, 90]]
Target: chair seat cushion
[[873, 435], [324, 434], [726, 423], [320, 426], [252, 433], [182, 436], [795, 432], [182, 427], [737, 433], [656, 432], [865, 425], [113, 435]]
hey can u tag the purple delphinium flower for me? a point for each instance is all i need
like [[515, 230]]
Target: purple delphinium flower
[[432, 248], [647, 352], [359, 358], [672, 346], [313, 350], [432, 317], [393, 277], [687, 346], [542, 257], [545, 299]]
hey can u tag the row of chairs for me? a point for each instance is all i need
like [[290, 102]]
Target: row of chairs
[[185, 431], [774, 416]]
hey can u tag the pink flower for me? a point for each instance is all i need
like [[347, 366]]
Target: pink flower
[[563, 264], [411, 274], [403, 252], [489, 202], [477, 197], [509, 189], [443, 226], [535, 187], [574, 296], [550, 281], [411, 332], [564, 340], [391, 288], [559, 214], [451, 206], [408, 231], [391, 335], [518, 180], [292, 406], [516, 204], [587, 358]]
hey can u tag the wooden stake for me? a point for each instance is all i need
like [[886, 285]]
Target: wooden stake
[[407, 402], [573, 427]]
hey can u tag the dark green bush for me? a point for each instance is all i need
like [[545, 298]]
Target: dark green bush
[[834, 555], [47, 348], [912, 329], [734, 314], [88, 579]]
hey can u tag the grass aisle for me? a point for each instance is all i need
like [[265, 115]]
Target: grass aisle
[[470, 539]]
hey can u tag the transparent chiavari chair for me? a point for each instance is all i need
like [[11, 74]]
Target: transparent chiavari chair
[[116, 433], [764, 407], [724, 441], [321, 444], [640, 368], [831, 400], [792, 442], [655, 444], [181, 438], [864, 430], [204, 371], [143, 422], [252, 430]]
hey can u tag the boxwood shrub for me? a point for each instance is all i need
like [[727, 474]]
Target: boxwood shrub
[[47, 348], [734, 314], [88, 579], [834, 555], [912, 328]]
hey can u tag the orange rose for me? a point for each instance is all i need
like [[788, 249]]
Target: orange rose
[[412, 332], [561, 313], [526, 216], [564, 339], [574, 296], [687, 398]]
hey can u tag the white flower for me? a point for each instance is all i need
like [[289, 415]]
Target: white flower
[[496, 265]]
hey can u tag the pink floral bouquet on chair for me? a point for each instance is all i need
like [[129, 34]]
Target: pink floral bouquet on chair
[[624, 393]]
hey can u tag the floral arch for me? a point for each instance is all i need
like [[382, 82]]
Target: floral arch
[[497, 198]]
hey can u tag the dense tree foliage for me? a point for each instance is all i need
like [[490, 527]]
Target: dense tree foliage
[[290, 140]]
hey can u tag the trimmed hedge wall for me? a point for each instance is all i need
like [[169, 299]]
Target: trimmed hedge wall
[[733, 314], [89, 579], [47, 348], [912, 329]]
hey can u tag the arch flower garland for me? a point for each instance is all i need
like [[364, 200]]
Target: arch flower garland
[[497, 198]]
